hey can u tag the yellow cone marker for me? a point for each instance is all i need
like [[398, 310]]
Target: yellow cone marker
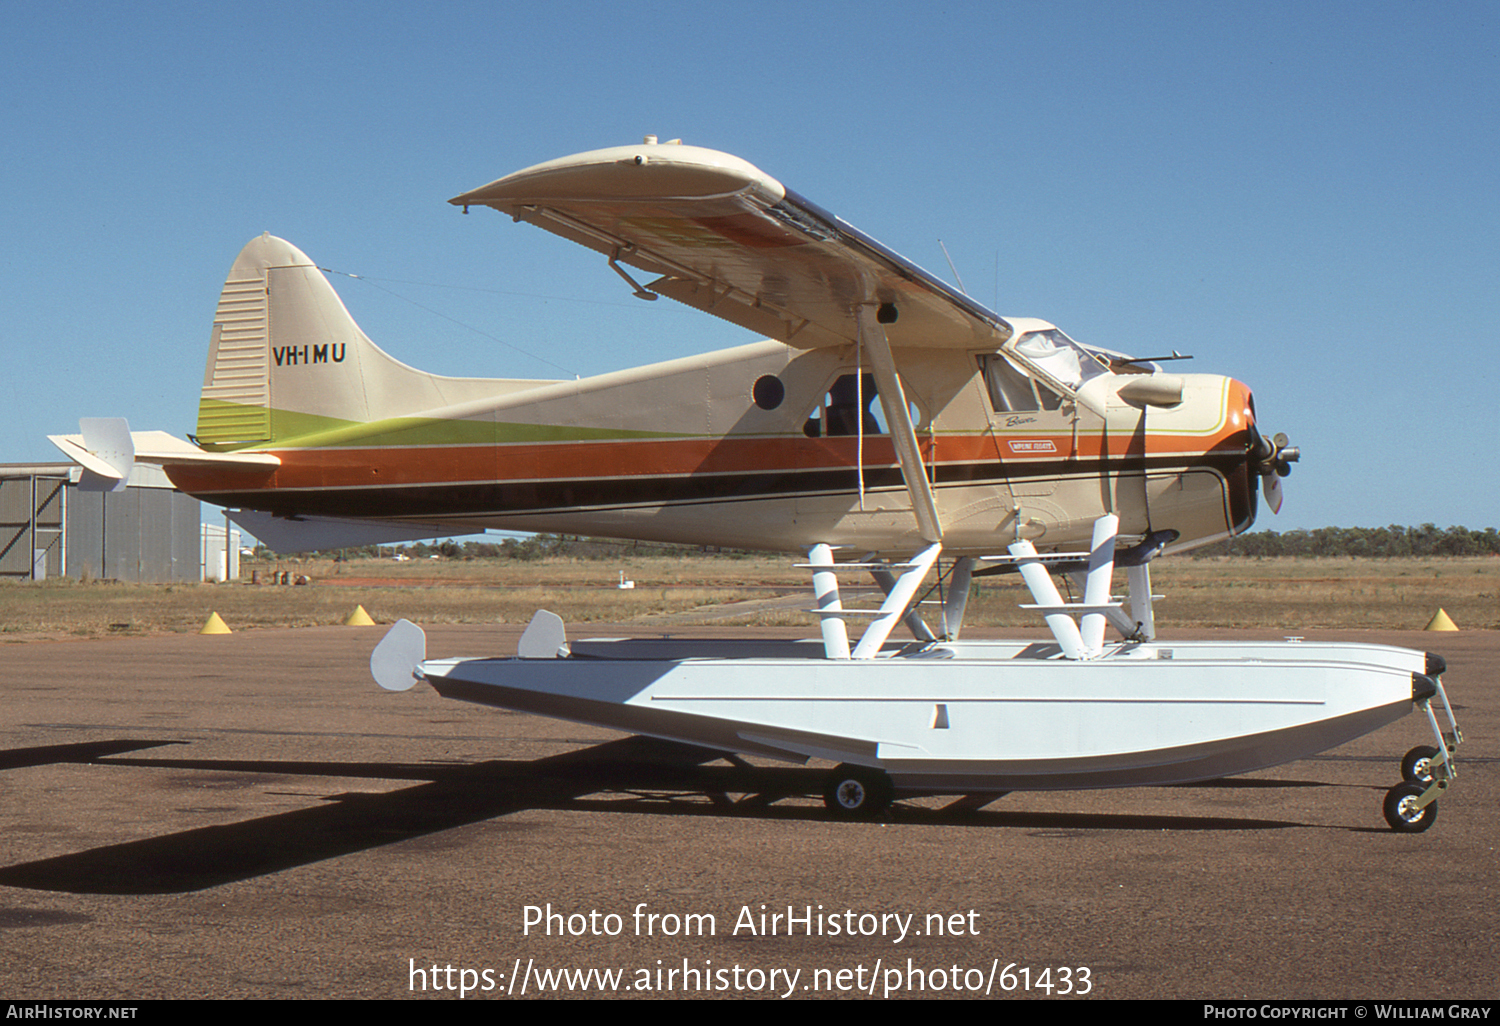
[[359, 618], [215, 625], [1441, 622]]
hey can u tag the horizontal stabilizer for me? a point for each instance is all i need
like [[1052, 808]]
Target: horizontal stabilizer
[[107, 449], [308, 534]]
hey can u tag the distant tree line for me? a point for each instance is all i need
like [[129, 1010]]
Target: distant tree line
[[1371, 542]]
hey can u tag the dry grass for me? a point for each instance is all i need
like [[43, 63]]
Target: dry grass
[[1331, 592], [1229, 592], [62, 608]]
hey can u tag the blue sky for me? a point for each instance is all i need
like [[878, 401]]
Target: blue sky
[[1303, 196]]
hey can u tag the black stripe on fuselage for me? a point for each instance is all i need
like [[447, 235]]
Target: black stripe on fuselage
[[515, 497]]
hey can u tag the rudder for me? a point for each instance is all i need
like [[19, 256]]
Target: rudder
[[234, 408]]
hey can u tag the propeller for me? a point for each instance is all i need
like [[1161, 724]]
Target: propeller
[[1273, 461]]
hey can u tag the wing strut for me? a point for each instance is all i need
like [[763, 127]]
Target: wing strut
[[893, 402]]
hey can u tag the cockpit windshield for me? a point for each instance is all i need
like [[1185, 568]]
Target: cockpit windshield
[[1058, 357]]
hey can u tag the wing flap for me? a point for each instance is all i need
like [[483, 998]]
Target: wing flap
[[739, 308], [729, 239]]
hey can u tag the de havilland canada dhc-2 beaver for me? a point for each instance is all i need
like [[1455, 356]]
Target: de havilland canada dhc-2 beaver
[[887, 425]]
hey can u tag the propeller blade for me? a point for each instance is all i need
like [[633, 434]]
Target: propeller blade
[[1273, 460], [1270, 486]]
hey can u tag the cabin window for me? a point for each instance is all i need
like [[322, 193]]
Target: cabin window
[[851, 399], [768, 392], [1013, 392]]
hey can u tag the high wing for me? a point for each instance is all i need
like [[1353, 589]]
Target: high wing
[[729, 239]]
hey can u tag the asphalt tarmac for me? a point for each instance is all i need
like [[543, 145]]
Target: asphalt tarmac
[[249, 816]]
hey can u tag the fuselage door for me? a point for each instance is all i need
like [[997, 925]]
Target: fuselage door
[[1034, 428]]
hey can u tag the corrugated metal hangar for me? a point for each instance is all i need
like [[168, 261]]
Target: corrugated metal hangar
[[146, 532]]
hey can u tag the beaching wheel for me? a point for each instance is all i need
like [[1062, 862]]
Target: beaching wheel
[[1401, 810], [857, 792], [1416, 767]]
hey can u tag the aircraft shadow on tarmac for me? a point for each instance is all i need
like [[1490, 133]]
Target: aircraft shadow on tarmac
[[633, 775]]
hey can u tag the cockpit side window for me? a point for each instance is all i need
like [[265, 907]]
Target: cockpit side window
[[1011, 391]]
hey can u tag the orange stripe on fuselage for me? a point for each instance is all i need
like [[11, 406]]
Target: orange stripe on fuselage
[[672, 457]]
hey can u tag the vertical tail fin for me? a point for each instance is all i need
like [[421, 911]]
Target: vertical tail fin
[[286, 360]]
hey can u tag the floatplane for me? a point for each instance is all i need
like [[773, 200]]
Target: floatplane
[[888, 425]]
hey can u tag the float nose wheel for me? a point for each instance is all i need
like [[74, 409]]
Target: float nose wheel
[[1405, 812], [1416, 767], [857, 792], [1411, 806]]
